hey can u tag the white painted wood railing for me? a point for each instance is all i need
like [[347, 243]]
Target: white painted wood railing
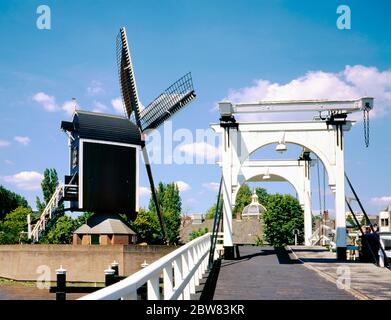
[[182, 270]]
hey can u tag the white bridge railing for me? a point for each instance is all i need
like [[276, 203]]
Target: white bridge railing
[[181, 270]]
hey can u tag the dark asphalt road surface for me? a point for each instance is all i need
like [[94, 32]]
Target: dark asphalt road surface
[[266, 273]]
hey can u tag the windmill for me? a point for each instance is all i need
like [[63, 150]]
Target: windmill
[[170, 101], [104, 149]]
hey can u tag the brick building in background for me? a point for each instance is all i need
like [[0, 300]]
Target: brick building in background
[[102, 229]]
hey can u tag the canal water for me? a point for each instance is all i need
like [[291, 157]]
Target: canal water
[[24, 292]]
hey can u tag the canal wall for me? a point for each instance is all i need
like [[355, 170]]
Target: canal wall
[[83, 263]]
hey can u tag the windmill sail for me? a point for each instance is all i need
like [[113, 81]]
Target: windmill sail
[[126, 77], [174, 98], [170, 101]]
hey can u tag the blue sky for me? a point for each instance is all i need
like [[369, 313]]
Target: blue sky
[[227, 45]]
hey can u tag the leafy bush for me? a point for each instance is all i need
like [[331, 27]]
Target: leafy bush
[[200, 232], [283, 214], [13, 225]]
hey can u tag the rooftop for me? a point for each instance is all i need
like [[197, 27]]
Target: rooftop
[[100, 126], [104, 224], [254, 208]]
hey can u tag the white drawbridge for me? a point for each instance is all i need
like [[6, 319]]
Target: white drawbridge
[[323, 136]]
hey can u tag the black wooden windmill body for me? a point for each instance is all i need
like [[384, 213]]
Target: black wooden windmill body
[[174, 98]]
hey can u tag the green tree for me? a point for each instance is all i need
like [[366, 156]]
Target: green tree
[[60, 228], [351, 220], [82, 219], [9, 201], [243, 198], [210, 213], [198, 233], [283, 214], [171, 204], [363, 221], [263, 196], [147, 227], [49, 184], [13, 225], [61, 232], [316, 219]]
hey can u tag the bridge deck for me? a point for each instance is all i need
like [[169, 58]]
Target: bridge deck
[[366, 279], [265, 273]]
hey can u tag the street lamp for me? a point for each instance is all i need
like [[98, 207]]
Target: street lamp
[[281, 146], [267, 175]]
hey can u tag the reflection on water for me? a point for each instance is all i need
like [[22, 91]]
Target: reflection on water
[[23, 292]]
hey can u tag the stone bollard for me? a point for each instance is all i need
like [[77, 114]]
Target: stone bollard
[[61, 283], [114, 266], [109, 276]]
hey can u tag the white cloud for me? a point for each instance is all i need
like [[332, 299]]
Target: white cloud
[[95, 88], [25, 180], [352, 82], [118, 105], [4, 143], [144, 191], [98, 107], [182, 186], [48, 102], [22, 140], [380, 201], [200, 149], [212, 186]]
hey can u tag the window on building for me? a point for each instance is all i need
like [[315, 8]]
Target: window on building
[[95, 239], [384, 222]]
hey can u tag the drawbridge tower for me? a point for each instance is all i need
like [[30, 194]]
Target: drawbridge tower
[[323, 135]]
